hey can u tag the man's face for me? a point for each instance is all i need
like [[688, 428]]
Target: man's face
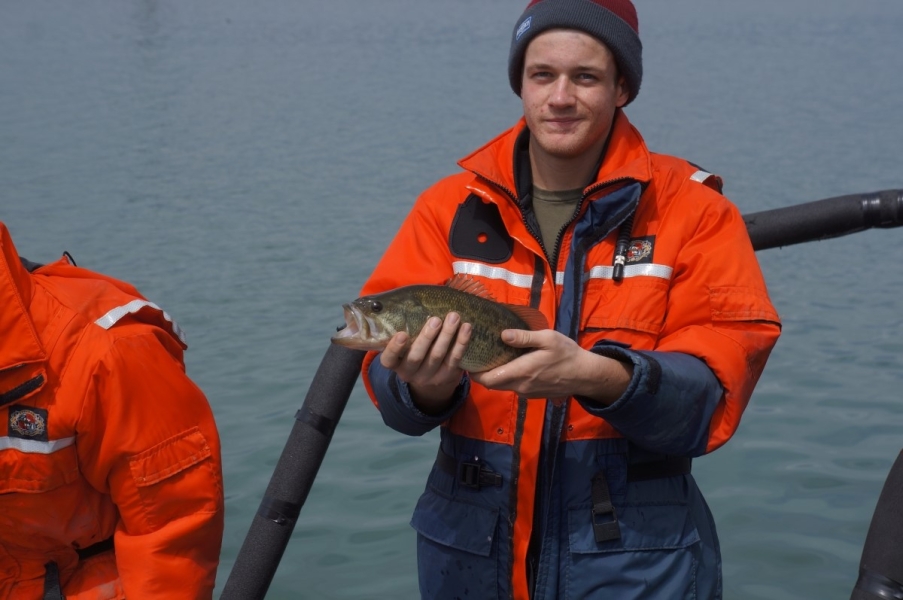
[[570, 92]]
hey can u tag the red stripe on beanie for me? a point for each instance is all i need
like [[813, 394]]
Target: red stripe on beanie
[[623, 8]]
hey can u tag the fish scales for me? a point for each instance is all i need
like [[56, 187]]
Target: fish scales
[[486, 349]]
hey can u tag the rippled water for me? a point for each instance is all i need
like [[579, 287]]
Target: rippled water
[[245, 164]]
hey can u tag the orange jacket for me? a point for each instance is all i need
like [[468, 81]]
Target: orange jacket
[[711, 303], [103, 435], [693, 315]]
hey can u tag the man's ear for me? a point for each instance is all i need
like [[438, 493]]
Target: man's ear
[[623, 92]]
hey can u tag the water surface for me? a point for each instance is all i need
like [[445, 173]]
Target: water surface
[[244, 164]]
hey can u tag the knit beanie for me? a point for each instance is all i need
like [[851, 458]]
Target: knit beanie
[[613, 22]]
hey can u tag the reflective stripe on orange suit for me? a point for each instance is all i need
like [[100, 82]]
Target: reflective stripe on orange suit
[[701, 295], [129, 447]]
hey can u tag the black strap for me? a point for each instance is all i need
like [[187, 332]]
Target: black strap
[[278, 511], [671, 466], [95, 549], [473, 474], [323, 424], [52, 589], [878, 585], [605, 528], [603, 515]]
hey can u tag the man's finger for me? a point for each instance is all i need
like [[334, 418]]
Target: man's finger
[[445, 339], [394, 352], [424, 340], [519, 338], [456, 354]]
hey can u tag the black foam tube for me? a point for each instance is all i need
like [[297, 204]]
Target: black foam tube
[[881, 565], [823, 219], [294, 474]]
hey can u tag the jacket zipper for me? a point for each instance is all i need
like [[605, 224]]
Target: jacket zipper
[[553, 267]]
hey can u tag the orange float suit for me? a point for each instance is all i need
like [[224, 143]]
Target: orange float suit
[[554, 500], [110, 473]]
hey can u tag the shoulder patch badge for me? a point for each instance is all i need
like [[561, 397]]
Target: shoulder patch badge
[[28, 423], [640, 250]]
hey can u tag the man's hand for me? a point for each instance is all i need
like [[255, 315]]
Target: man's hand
[[557, 368], [430, 364]]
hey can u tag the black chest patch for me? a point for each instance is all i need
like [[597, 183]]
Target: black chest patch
[[640, 250], [478, 233], [27, 423]]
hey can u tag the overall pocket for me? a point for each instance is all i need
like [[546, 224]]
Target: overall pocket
[[174, 478], [457, 550], [656, 557]]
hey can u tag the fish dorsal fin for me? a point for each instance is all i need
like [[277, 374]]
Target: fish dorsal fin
[[469, 285], [534, 319]]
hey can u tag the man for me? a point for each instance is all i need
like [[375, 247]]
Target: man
[[110, 474], [566, 472]]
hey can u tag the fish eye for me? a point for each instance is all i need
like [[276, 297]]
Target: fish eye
[[376, 305]]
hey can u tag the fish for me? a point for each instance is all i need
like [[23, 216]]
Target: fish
[[371, 321]]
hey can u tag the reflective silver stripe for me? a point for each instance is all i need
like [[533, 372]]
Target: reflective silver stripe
[[700, 176], [472, 268], [522, 281], [526, 281], [35, 446], [647, 270], [113, 316]]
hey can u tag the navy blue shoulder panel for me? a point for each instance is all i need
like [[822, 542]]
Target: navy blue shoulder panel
[[31, 266]]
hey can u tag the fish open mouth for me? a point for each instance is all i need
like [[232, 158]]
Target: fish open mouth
[[355, 324], [360, 331]]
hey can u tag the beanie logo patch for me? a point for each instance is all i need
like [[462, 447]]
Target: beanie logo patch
[[523, 28]]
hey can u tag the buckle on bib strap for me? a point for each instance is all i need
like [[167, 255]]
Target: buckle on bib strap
[[476, 475], [470, 474]]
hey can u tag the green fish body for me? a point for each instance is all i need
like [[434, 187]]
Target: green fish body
[[371, 321]]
